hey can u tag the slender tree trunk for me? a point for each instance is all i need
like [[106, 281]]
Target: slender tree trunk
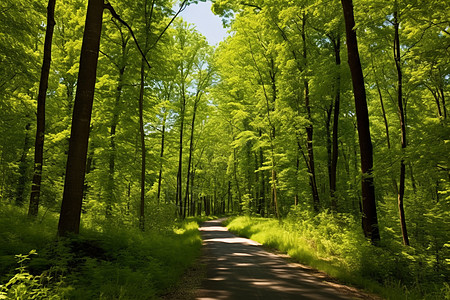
[[179, 196], [3, 178], [257, 187], [297, 169], [40, 127], [193, 201], [369, 210], [274, 191], [441, 90], [161, 156], [329, 113], [236, 180], [397, 59], [191, 149], [309, 128], [229, 196], [263, 180], [436, 96], [386, 125], [337, 101], [69, 220], [143, 150]]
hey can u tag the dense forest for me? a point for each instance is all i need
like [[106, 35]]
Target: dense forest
[[327, 117]]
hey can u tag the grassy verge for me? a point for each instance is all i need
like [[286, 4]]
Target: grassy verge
[[333, 244], [115, 263]]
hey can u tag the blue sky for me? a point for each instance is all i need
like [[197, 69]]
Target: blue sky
[[205, 21]]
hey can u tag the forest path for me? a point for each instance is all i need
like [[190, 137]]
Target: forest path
[[239, 268]]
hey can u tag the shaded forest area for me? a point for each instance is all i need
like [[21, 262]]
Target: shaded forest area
[[348, 161]]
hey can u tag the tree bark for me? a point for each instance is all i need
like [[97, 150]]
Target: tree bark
[[309, 128], [236, 180], [386, 125], [161, 156], [191, 149], [40, 126], [337, 101], [263, 181], [69, 220], [369, 210], [143, 151], [441, 90], [401, 190], [179, 196]]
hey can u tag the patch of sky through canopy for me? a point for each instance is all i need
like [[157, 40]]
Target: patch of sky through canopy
[[208, 24]]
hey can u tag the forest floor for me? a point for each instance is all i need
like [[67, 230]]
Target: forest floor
[[232, 267]]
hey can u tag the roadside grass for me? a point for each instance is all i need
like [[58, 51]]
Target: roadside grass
[[332, 243], [114, 263]]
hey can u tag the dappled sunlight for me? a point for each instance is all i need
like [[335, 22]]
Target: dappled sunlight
[[234, 241], [245, 270], [213, 228], [241, 254]]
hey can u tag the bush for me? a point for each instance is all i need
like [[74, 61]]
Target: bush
[[114, 263]]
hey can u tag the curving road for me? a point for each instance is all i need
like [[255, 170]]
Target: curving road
[[238, 268]]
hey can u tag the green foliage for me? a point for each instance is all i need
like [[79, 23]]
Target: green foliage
[[115, 263], [24, 285], [333, 243]]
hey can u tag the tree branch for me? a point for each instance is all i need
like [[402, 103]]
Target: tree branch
[[116, 16], [182, 7], [251, 5], [110, 58]]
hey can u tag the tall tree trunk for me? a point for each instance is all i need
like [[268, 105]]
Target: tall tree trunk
[[309, 128], [179, 196], [191, 149], [274, 165], [369, 217], [236, 180], [193, 201], [69, 220], [229, 196], [337, 101], [257, 187], [263, 181], [274, 192], [441, 90], [397, 58], [161, 156], [143, 151], [297, 169], [436, 96], [40, 127], [386, 125], [328, 115]]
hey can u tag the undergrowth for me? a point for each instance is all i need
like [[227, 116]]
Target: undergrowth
[[333, 243], [114, 263]]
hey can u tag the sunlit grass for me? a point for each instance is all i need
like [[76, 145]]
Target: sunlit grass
[[114, 263], [334, 244]]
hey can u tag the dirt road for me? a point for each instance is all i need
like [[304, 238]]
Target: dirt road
[[239, 268]]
